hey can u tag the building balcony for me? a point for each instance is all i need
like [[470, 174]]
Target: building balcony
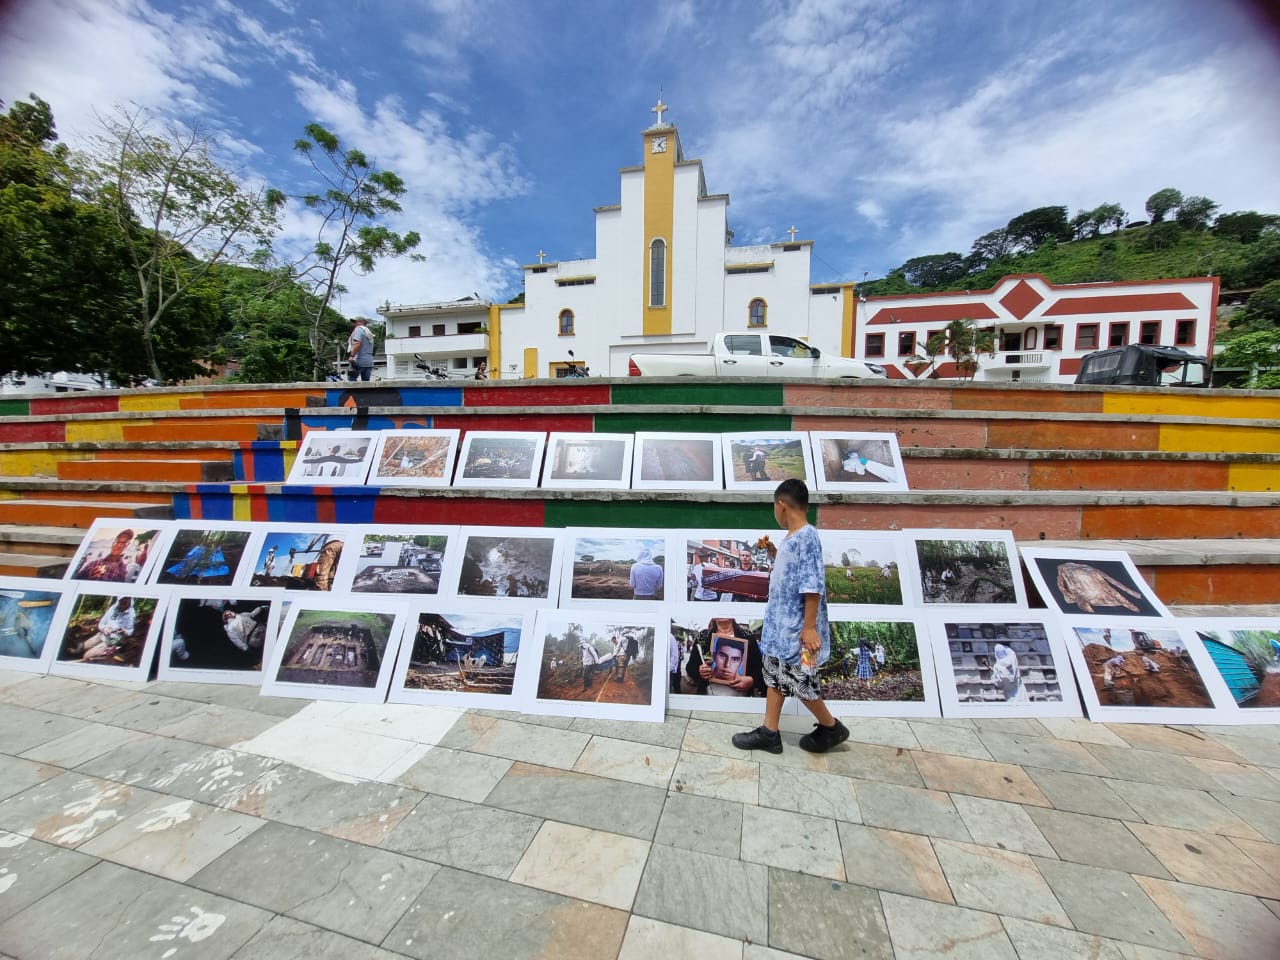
[[1019, 360], [447, 345]]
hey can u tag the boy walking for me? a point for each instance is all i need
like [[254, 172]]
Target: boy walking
[[795, 628]]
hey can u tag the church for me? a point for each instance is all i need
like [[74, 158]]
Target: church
[[667, 277]]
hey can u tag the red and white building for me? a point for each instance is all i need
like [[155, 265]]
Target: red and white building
[[1041, 329]]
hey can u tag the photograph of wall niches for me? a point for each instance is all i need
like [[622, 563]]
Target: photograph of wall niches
[[978, 648]]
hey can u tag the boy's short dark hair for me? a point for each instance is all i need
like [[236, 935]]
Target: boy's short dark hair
[[794, 492]]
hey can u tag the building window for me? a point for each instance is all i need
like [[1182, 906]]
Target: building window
[[566, 323], [1150, 331], [471, 327], [415, 331], [756, 313], [1029, 339], [1118, 335], [936, 337], [1053, 336], [1184, 334], [906, 343], [658, 273], [875, 345], [437, 330], [1087, 336]]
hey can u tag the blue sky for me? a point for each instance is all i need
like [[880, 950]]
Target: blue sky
[[882, 129]]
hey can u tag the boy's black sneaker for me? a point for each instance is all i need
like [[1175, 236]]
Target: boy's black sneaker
[[823, 738], [761, 738]]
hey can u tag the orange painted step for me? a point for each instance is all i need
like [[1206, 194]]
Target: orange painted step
[[214, 454], [213, 429], [144, 471], [70, 513]]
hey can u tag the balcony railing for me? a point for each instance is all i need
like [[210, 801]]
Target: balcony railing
[[1022, 359]]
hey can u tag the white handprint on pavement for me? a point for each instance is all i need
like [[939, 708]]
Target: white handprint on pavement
[[167, 816], [199, 926]]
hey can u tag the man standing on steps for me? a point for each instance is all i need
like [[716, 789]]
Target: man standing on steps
[[360, 351]]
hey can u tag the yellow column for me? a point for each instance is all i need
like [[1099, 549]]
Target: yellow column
[[530, 362], [659, 221]]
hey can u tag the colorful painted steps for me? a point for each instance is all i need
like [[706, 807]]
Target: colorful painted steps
[[76, 513], [178, 471]]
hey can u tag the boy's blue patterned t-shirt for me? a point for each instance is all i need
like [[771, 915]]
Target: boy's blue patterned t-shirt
[[797, 570]]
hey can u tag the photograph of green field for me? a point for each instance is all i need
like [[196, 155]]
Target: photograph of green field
[[873, 660], [861, 567]]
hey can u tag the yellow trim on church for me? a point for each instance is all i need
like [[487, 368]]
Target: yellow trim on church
[[848, 308], [659, 224]]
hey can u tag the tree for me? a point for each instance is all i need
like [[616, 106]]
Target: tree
[[962, 340], [1259, 354], [1261, 311], [934, 270], [1109, 215], [177, 212], [1029, 230], [1246, 226], [1161, 202], [1194, 213], [989, 247], [355, 194]]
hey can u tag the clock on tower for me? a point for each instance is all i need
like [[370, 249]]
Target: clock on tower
[[659, 144]]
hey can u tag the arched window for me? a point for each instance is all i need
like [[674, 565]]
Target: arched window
[[756, 313], [566, 323], [658, 273], [1030, 339]]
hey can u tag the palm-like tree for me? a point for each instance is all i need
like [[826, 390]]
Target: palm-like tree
[[962, 340]]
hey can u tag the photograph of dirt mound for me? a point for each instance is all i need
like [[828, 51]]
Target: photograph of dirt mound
[[1151, 678]]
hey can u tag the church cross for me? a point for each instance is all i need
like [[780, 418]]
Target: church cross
[[792, 232], [660, 109], [542, 256]]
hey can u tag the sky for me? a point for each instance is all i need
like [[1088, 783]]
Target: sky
[[881, 129]]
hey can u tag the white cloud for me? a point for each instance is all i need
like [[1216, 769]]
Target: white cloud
[[447, 176]]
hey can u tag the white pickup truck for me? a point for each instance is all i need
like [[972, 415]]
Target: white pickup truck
[[753, 355]]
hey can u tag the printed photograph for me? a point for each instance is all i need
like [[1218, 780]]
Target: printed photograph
[[114, 553], [464, 653], [588, 458], [218, 634], [107, 630], [874, 660], [598, 662], [621, 568], [408, 457], [728, 569], [859, 460], [677, 461], [199, 557], [340, 648], [25, 617], [861, 568], [1248, 658], [1148, 667], [767, 459], [1097, 586], [329, 455], [390, 563], [507, 566], [974, 570], [297, 561], [1002, 662], [715, 656], [503, 457]]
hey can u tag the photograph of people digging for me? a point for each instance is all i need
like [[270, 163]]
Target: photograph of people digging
[[1133, 667]]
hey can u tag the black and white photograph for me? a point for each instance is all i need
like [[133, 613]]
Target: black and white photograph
[[869, 462], [677, 461], [965, 567], [994, 664], [588, 460], [1102, 583], [511, 460], [218, 636], [333, 458]]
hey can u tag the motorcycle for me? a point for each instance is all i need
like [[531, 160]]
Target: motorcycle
[[574, 369], [428, 371]]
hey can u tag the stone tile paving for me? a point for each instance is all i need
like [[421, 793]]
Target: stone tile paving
[[189, 821]]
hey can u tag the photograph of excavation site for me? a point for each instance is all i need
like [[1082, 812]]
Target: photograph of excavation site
[[464, 652], [342, 648]]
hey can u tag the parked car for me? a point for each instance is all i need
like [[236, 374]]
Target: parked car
[[753, 355], [1147, 365]]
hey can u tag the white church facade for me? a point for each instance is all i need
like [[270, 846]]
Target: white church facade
[[666, 277]]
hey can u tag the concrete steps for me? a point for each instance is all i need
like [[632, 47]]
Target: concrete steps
[[144, 470], [76, 513]]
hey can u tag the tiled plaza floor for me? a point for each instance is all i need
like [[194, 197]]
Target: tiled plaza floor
[[184, 822]]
